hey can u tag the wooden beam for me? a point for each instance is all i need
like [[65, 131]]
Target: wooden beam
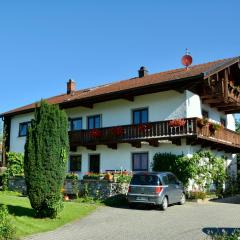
[[213, 100], [112, 146], [191, 141], [153, 142], [73, 148], [206, 97], [91, 147], [128, 98], [86, 105], [136, 144], [227, 108], [232, 111], [216, 105], [177, 141], [225, 85]]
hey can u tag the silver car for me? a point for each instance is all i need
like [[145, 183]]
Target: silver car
[[158, 188]]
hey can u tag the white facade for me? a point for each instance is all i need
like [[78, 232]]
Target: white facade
[[161, 106]]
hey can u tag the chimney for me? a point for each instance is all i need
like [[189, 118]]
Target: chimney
[[71, 86], [142, 72]]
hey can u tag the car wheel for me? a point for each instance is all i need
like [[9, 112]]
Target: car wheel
[[183, 199], [164, 204]]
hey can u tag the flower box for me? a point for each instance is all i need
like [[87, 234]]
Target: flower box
[[177, 123]]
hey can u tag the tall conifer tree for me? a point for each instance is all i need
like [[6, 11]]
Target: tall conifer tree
[[45, 157]]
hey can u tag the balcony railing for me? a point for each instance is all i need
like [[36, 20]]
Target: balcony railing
[[153, 131]]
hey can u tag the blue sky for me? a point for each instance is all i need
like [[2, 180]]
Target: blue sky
[[44, 43]]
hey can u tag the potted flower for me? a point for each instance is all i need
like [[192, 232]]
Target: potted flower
[[177, 123], [231, 83], [117, 131], [202, 122], [213, 127], [108, 176], [144, 126], [96, 133]]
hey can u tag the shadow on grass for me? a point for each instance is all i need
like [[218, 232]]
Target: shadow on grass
[[20, 211], [219, 231]]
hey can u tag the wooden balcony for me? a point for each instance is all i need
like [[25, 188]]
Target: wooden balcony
[[155, 132], [221, 88]]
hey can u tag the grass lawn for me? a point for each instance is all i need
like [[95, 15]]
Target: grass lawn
[[23, 215]]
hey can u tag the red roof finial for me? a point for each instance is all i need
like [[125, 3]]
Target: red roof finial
[[187, 59]]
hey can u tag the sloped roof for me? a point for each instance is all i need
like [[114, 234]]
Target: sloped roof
[[133, 83]]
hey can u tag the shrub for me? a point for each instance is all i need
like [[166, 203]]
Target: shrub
[[203, 167], [1, 179], [208, 169], [223, 235], [72, 176], [46, 152], [7, 230], [15, 167], [197, 195], [94, 176], [181, 166], [122, 178]]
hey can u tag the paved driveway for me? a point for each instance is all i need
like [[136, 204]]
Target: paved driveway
[[186, 222]]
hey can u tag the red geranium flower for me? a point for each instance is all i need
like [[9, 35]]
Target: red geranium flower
[[95, 133], [177, 123]]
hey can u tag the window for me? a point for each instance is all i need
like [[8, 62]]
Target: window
[[165, 179], [94, 122], [75, 124], [172, 179], [23, 128], [94, 163], [205, 113], [145, 180], [75, 163], [140, 161], [223, 122], [140, 116]]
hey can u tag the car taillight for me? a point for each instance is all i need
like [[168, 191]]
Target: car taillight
[[158, 189], [129, 189]]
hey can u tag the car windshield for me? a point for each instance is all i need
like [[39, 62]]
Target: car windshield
[[145, 180]]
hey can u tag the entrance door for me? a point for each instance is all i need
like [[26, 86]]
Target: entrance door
[[94, 163]]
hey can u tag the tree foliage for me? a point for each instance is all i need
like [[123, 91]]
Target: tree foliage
[[180, 165], [203, 167], [46, 152], [14, 167], [7, 230]]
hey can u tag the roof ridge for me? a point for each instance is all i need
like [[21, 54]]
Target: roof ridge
[[131, 83]]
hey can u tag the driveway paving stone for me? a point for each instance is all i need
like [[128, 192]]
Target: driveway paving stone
[[188, 222]]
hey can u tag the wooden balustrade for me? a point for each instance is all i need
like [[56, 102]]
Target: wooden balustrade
[[150, 131], [124, 133], [222, 135]]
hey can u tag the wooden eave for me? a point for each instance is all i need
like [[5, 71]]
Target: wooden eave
[[218, 93], [129, 94]]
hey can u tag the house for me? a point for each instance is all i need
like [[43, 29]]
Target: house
[[123, 124]]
